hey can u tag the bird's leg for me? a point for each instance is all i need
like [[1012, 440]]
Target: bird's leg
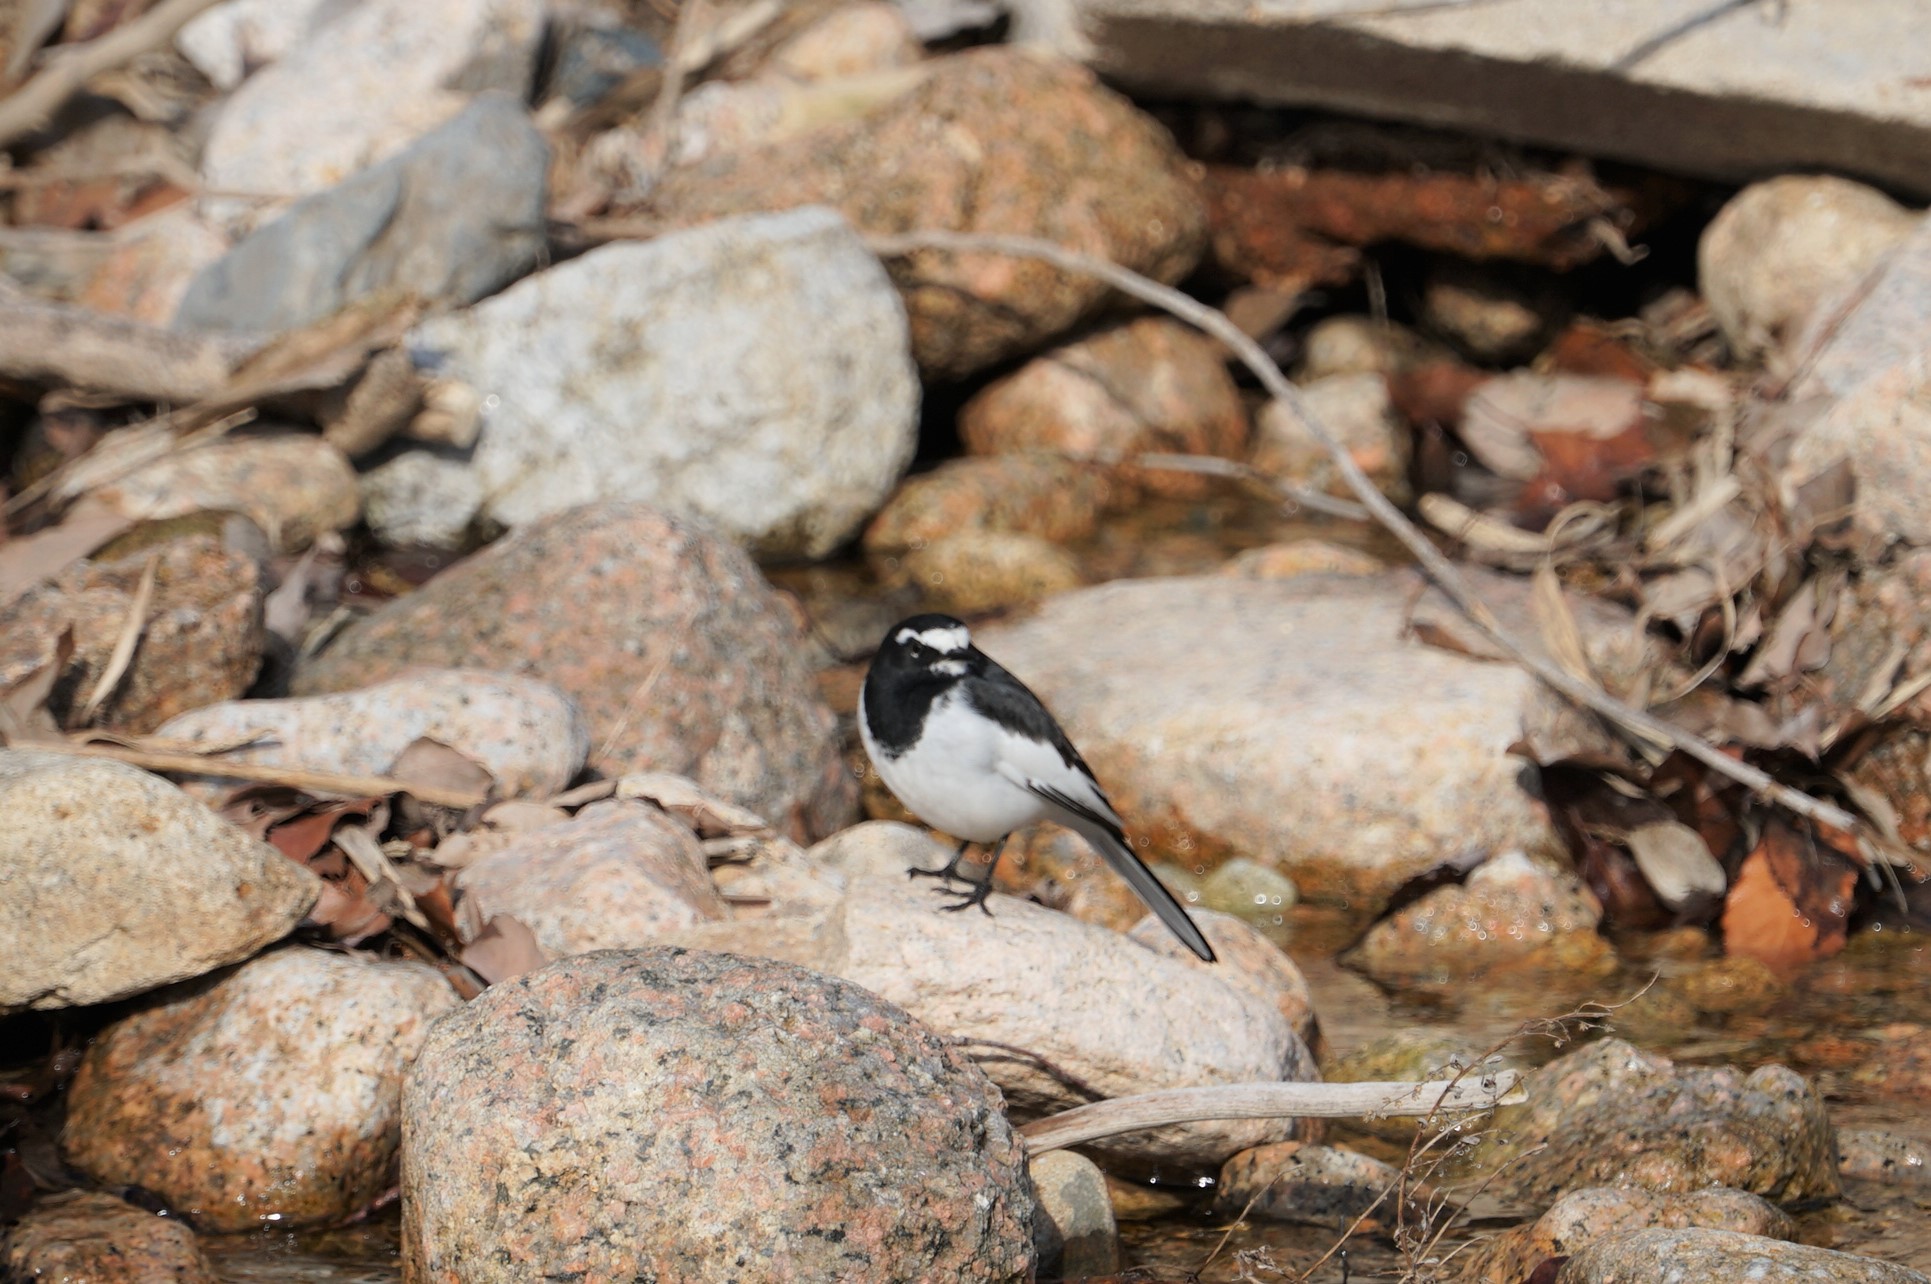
[[980, 889], [951, 870]]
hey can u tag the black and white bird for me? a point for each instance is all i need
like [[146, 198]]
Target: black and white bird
[[971, 751]]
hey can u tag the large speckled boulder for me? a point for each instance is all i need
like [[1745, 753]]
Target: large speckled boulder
[[271, 1094], [85, 1237], [113, 881], [675, 1115], [1608, 1113], [528, 735], [996, 141], [680, 655]]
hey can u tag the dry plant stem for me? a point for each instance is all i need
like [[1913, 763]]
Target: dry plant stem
[[321, 782], [1632, 720], [123, 654], [34, 103], [1264, 1101]]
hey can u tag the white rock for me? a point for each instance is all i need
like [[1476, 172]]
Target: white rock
[[528, 734], [360, 88], [755, 372], [232, 40], [113, 882], [1118, 1016], [1358, 412], [615, 876], [1320, 737], [1781, 247], [420, 497], [1871, 374]]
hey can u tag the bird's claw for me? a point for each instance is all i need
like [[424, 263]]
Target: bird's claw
[[977, 896]]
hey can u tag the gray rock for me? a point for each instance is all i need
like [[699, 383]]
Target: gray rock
[[1874, 1154], [457, 215], [422, 498], [361, 88], [1090, 1002], [788, 415], [875, 849], [88, 1236], [1074, 1234], [1323, 739], [618, 874], [1734, 96], [271, 1095], [1357, 411], [668, 1114], [1780, 248], [526, 733], [113, 881], [1723, 1257], [1866, 372]]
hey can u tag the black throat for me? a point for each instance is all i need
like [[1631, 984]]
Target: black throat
[[896, 704]]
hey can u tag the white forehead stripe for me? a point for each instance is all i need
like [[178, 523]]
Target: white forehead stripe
[[944, 640]]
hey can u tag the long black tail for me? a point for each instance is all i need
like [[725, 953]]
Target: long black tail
[[1148, 888]]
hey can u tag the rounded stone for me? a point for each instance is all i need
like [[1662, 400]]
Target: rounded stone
[[271, 1095], [671, 1114]]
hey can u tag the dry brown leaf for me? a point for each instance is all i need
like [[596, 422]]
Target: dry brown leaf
[[707, 814], [1557, 623], [1790, 902], [23, 705], [33, 559], [505, 948], [1676, 863], [433, 764]]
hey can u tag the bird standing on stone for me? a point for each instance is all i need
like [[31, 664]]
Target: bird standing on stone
[[971, 751]]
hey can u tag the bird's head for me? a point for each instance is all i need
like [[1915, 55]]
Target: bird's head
[[931, 642]]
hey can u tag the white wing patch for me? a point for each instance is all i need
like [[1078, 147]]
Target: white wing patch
[[1028, 762], [949, 640]]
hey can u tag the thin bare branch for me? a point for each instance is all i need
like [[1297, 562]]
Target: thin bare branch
[[34, 103], [1264, 1101], [1637, 723], [320, 782]]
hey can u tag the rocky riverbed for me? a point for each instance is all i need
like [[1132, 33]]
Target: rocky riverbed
[[460, 456]]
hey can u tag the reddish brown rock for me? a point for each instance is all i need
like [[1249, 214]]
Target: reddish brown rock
[[680, 654], [1311, 1185], [1055, 499], [1148, 385], [995, 140], [81, 1237], [272, 1093], [677, 1115], [980, 570], [202, 642]]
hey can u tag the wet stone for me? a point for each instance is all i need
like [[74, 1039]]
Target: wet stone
[[1583, 1216], [1722, 1255], [83, 1237], [1310, 1185], [1608, 1113]]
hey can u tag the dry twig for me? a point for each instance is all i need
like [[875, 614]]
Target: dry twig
[[1637, 723], [34, 103], [319, 782]]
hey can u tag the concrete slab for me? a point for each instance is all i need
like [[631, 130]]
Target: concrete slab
[[1731, 89]]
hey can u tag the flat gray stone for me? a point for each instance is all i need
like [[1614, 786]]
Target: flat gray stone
[[455, 216], [1752, 89]]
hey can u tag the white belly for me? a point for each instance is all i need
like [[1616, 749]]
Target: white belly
[[952, 779]]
